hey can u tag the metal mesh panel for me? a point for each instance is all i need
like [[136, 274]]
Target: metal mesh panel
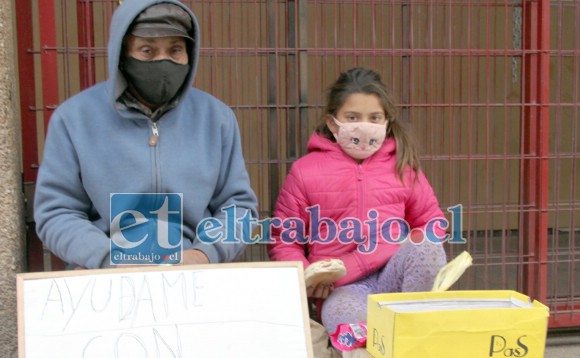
[[490, 87], [564, 163]]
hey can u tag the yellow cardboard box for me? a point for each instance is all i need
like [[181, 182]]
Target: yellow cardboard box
[[456, 324]]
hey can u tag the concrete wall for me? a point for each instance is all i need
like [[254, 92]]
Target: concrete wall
[[12, 238]]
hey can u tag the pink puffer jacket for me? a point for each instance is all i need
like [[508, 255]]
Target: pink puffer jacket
[[342, 188]]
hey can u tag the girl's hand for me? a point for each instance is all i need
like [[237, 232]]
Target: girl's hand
[[322, 290], [320, 275]]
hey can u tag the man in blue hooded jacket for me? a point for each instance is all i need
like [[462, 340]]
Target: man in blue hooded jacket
[[144, 130]]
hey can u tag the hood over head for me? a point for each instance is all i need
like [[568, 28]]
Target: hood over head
[[149, 24]]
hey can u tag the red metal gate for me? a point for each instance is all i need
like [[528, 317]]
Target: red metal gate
[[491, 87]]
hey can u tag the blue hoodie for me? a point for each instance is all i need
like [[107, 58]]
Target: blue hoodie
[[97, 146]]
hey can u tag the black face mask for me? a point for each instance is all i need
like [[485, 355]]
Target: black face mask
[[156, 81]]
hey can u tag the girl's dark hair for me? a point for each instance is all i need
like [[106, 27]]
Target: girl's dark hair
[[366, 81]]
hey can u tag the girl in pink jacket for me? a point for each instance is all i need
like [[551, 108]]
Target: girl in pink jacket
[[356, 196]]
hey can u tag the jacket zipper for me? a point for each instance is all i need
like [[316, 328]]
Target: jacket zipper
[[154, 136], [153, 144], [360, 178]]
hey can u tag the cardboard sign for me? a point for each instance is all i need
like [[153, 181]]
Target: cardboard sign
[[456, 324], [242, 310]]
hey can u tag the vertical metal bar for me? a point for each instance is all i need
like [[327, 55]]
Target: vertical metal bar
[[504, 142], [64, 47], [563, 297], [472, 178], [535, 127], [553, 292], [354, 33], [573, 244], [406, 60], [543, 144], [303, 74], [26, 77], [488, 221], [212, 43], [447, 73], [49, 59], [86, 42], [430, 75], [273, 127], [292, 79]]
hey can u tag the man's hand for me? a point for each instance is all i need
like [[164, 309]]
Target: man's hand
[[194, 257]]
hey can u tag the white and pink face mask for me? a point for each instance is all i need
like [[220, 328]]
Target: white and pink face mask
[[360, 140]]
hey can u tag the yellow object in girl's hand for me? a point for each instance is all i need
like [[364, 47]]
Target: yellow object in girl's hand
[[451, 272]]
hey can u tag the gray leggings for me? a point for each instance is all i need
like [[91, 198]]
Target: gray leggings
[[413, 268]]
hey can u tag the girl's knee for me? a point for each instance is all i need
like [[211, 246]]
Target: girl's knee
[[425, 250]]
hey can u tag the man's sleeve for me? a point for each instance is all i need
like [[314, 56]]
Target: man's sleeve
[[61, 204]]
